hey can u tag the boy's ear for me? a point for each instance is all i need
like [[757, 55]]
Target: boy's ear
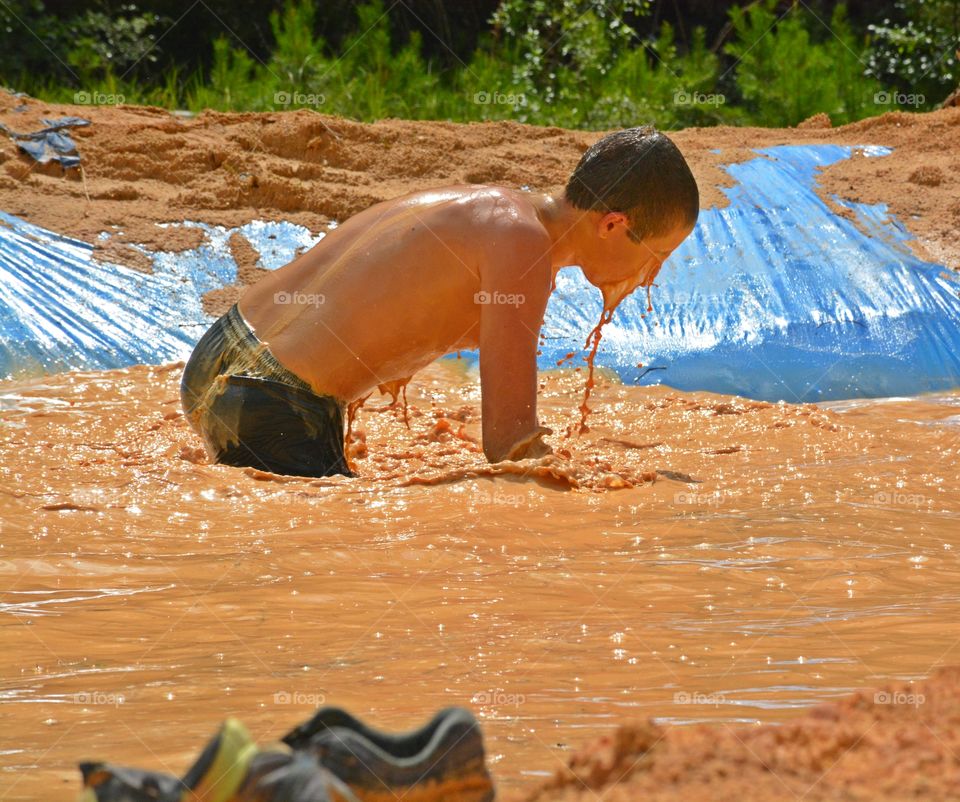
[[609, 222]]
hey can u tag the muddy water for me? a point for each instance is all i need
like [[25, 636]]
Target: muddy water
[[753, 559]]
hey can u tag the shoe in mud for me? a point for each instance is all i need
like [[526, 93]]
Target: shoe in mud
[[443, 760], [103, 782], [230, 769], [331, 758]]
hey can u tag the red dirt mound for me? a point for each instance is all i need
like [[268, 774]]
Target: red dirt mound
[[899, 743]]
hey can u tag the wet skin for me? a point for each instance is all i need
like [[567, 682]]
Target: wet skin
[[409, 280]]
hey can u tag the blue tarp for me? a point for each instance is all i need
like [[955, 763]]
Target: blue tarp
[[52, 143], [776, 297], [61, 309], [771, 297]]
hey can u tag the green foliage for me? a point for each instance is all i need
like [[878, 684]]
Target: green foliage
[[560, 46], [107, 43], [87, 48], [233, 83], [916, 52], [19, 65], [484, 89], [376, 82], [554, 62], [784, 75], [298, 54], [656, 84]]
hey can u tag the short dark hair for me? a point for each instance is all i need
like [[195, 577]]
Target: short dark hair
[[641, 173]]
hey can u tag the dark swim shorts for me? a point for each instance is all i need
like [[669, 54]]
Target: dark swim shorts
[[252, 411]]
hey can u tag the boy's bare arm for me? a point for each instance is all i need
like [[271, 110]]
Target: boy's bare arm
[[513, 298]]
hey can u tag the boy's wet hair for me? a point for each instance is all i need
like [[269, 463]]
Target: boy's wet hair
[[641, 173]]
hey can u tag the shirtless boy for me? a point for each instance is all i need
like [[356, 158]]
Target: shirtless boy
[[411, 279]]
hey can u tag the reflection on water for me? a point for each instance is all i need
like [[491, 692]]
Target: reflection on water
[[767, 557]]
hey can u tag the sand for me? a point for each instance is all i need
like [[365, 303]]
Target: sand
[[899, 742]]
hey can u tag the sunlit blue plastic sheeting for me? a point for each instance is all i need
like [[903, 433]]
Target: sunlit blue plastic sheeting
[[62, 309], [776, 297]]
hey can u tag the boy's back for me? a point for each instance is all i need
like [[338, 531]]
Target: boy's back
[[399, 285]]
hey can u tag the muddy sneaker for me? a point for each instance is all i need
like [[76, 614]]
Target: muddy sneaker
[[230, 765], [286, 777], [103, 782], [443, 760], [332, 758]]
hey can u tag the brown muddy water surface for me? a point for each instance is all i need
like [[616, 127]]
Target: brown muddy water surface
[[692, 557]]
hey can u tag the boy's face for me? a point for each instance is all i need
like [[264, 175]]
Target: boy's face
[[617, 264]]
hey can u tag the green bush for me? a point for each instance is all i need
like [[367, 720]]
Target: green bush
[[784, 76], [656, 84], [571, 63], [563, 51], [370, 81], [916, 52], [234, 81]]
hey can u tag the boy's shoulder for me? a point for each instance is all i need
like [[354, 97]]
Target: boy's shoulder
[[495, 209], [498, 225], [514, 243], [512, 214]]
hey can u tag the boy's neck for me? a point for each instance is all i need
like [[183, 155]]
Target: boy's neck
[[564, 224]]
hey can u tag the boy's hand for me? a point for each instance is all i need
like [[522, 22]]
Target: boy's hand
[[531, 447]]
